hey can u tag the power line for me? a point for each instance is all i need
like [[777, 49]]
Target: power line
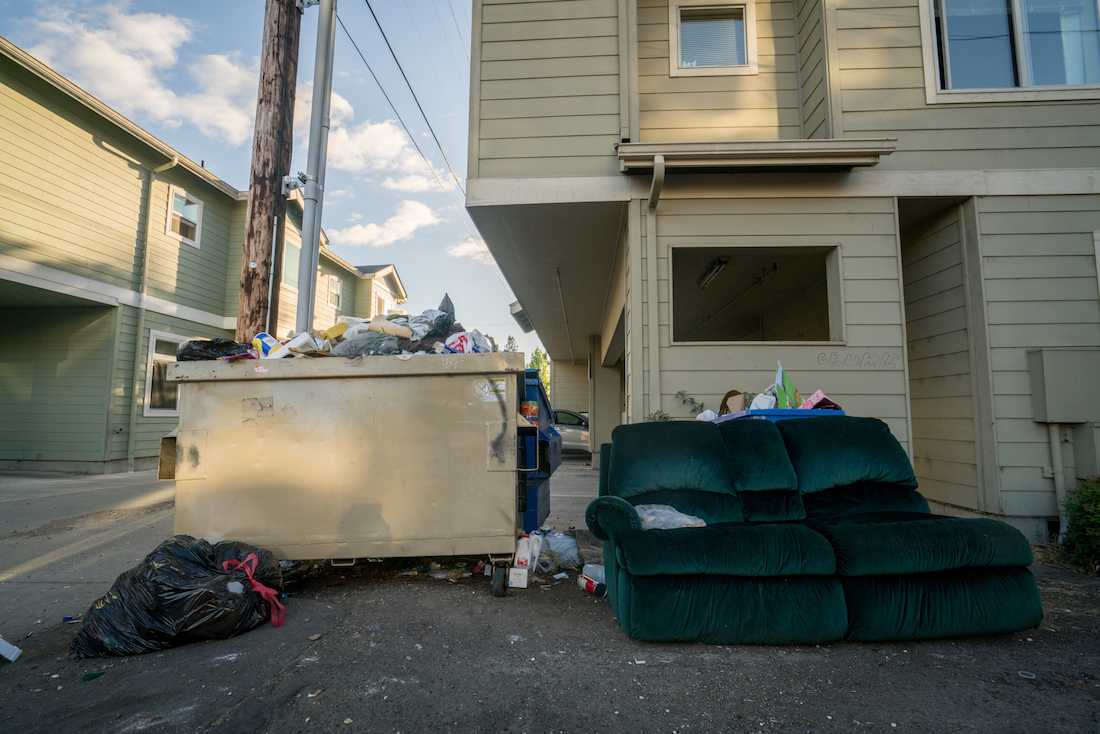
[[458, 28], [416, 99], [389, 101]]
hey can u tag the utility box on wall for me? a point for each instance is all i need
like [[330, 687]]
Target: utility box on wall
[[1060, 384]]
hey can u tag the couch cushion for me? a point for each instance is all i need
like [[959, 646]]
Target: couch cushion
[[836, 451], [947, 604], [882, 543], [756, 456], [863, 497], [731, 550], [773, 506], [714, 508], [667, 455]]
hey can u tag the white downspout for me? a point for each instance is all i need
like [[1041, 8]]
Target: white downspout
[[1058, 469], [136, 383]]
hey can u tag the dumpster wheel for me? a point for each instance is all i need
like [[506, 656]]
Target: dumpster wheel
[[498, 582]]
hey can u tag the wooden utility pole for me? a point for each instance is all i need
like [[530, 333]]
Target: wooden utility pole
[[261, 268]]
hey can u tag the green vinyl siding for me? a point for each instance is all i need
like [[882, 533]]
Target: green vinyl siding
[[70, 197], [54, 363], [148, 430]]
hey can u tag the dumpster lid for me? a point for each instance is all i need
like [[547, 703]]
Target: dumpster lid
[[327, 367]]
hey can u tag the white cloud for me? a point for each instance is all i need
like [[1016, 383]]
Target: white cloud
[[369, 147], [409, 217], [124, 58], [472, 248]]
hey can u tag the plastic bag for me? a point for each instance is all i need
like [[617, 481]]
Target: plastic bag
[[468, 342], [184, 591], [199, 350], [786, 394], [559, 552], [664, 517], [434, 324], [359, 340]]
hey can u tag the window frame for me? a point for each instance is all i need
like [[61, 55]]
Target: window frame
[[173, 191], [150, 357], [751, 67], [935, 95], [834, 275], [333, 287]]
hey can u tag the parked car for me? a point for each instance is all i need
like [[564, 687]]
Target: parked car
[[573, 428]]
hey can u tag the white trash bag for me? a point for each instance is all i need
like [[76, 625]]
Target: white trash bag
[[664, 517]]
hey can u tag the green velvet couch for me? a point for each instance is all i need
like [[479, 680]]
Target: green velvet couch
[[815, 532]]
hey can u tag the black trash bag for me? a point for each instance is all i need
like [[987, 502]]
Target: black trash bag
[[199, 350], [434, 324], [180, 593]]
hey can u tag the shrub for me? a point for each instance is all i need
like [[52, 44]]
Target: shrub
[[1082, 546]]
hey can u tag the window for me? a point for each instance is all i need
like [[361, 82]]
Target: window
[[380, 306], [756, 294], [710, 39], [1016, 46], [184, 217], [565, 418], [291, 254], [333, 287], [160, 394]]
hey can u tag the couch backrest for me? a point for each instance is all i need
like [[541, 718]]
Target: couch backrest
[[838, 451], [720, 473]]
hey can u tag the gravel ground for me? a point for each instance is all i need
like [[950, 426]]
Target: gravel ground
[[372, 651]]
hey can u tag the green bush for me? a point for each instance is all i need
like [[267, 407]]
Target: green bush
[[1082, 545]]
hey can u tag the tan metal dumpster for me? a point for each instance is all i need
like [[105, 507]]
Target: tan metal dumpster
[[349, 458]]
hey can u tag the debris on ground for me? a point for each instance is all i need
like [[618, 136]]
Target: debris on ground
[[9, 651], [559, 552], [186, 590]]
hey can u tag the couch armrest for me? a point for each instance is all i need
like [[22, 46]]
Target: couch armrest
[[609, 516]]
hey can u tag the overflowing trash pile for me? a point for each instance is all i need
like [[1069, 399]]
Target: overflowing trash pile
[[434, 331], [186, 590], [781, 394]]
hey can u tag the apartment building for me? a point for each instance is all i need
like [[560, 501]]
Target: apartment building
[[114, 249], [897, 199]]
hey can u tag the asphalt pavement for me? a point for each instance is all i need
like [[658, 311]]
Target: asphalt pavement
[[366, 649]]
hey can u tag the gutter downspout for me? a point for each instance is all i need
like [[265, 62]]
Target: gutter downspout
[[1054, 431], [136, 385], [656, 186]]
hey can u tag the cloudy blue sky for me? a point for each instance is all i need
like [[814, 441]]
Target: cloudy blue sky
[[187, 72]]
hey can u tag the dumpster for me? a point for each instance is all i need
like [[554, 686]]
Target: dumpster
[[412, 455]]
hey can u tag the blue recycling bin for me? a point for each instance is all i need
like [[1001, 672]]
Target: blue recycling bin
[[539, 453], [777, 414]]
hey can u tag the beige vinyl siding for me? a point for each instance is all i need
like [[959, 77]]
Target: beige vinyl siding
[[883, 94], [813, 66], [762, 106], [548, 88], [1039, 271], [54, 363], [148, 430], [865, 373], [941, 379], [69, 196], [569, 386]]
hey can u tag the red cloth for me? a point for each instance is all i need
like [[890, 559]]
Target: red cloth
[[248, 565]]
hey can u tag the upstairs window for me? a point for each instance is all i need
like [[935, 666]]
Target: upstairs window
[[184, 217], [711, 39], [1009, 44], [333, 290]]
